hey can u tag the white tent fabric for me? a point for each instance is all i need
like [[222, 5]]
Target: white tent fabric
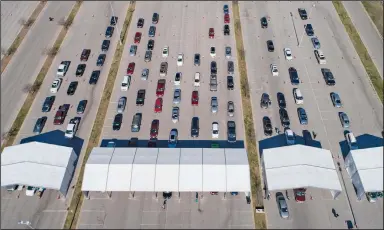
[[167, 169], [38, 164], [365, 167], [299, 166]]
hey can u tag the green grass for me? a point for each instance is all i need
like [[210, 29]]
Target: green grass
[[77, 200], [361, 50], [375, 11]]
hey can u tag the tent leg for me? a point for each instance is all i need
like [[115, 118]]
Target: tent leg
[[86, 194], [154, 196], [132, 195], [109, 194], [225, 195]]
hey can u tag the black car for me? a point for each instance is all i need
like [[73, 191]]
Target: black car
[[113, 21], [197, 60], [284, 118], [307, 137], [72, 87], [80, 70], [230, 83], [81, 106], [231, 131], [140, 97], [152, 31], [47, 105], [267, 125], [264, 22], [303, 13], [94, 77], [109, 31], [226, 30], [213, 67], [309, 30], [85, 55], [40, 123], [167, 195], [117, 121], [270, 46], [155, 18], [195, 127], [281, 100], [101, 60], [151, 44], [265, 101], [105, 45], [294, 76], [328, 76], [140, 23]]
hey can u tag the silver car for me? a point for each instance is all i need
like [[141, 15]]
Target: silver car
[[231, 67], [231, 108], [214, 105], [282, 205], [121, 104], [344, 120], [213, 83], [228, 52], [132, 50], [148, 56], [177, 96], [336, 100], [175, 114], [144, 74]]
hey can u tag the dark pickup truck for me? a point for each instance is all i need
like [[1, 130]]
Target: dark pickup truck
[[140, 97], [61, 113]]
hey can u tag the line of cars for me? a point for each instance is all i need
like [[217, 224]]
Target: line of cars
[[62, 111]]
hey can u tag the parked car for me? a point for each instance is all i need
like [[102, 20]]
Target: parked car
[[344, 120], [264, 22], [151, 44], [215, 130], [284, 118], [94, 77], [270, 46], [180, 59], [267, 125], [140, 97], [231, 109], [105, 45], [195, 97], [56, 85], [155, 18], [303, 118], [136, 122], [72, 127], [265, 101], [165, 51], [282, 205], [158, 105], [328, 76], [121, 103], [175, 114], [274, 70], [72, 87], [288, 54], [117, 121], [160, 88], [144, 74], [298, 96], [137, 38], [228, 52], [48, 103], [212, 51], [154, 128], [293, 76], [39, 126], [230, 83], [113, 21], [63, 68], [100, 60], [80, 70], [177, 96], [140, 23], [351, 140], [195, 127], [85, 55], [303, 13], [109, 32], [148, 56], [211, 33], [131, 68], [231, 67], [289, 136], [173, 136], [213, 67], [196, 61], [309, 29], [163, 69], [152, 31], [133, 50], [315, 43], [336, 101], [196, 81], [81, 106], [320, 57], [227, 31], [231, 131], [281, 100], [226, 9], [214, 105], [226, 18]]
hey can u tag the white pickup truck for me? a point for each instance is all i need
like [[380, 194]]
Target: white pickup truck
[[72, 127]]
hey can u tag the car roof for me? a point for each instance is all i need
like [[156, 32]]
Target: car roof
[[289, 132]]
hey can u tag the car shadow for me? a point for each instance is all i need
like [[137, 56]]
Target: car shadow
[[363, 141], [121, 143], [56, 137]]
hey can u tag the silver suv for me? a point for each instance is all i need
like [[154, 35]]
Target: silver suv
[[121, 104], [148, 56], [231, 108], [214, 105], [177, 96], [231, 67], [144, 74], [213, 83]]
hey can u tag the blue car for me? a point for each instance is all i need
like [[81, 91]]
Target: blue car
[[226, 9], [172, 142], [316, 43], [302, 116]]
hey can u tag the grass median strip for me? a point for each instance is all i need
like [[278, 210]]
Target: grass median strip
[[8, 54], [375, 12], [32, 91], [75, 206], [361, 50], [250, 136]]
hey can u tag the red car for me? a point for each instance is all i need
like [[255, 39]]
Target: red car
[[137, 37], [160, 88], [61, 113], [195, 97], [299, 195], [226, 18], [159, 105], [131, 68], [154, 128], [211, 33]]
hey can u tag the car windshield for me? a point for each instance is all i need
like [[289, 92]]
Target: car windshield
[[215, 131], [172, 137], [284, 209], [165, 51], [69, 132]]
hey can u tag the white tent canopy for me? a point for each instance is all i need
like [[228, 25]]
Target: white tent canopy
[[365, 167], [299, 166], [167, 169], [39, 165]]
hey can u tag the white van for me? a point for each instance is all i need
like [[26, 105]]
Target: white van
[[126, 83], [298, 96], [197, 79], [352, 143], [320, 57]]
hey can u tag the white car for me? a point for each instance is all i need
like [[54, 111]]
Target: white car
[[178, 78], [351, 140], [165, 51], [215, 130], [320, 57], [63, 68], [288, 54], [126, 83], [180, 59], [56, 85], [213, 51], [72, 127], [30, 191], [274, 70], [196, 82], [289, 136]]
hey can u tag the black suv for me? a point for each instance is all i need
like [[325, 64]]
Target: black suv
[[265, 101], [270, 46], [81, 106], [284, 118], [80, 70], [113, 21], [231, 131], [151, 44], [213, 67], [101, 60], [94, 77], [151, 31], [281, 100], [47, 105], [72, 88], [303, 13], [140, 97], [140, 23], [155, 18], [328, 76], [264, 22], [226, 30], [195, 127], [197, 60], [230, 83], [309, 30], [117, 121], [105, 45], [109, 31], [39, 126], [267, 125], [293, 76]]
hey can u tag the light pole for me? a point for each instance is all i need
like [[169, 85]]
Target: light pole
[[301, 39], [113, 14], [28, 223]]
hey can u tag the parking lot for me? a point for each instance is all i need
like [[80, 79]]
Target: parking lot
[[358, 98]]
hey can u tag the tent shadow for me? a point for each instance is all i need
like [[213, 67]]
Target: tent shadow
[[363, 141], [56, 137]]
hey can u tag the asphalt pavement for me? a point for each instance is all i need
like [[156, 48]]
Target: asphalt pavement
[[26, 63], [368, 32], [359, 100], [87, 31], [12, 12]]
